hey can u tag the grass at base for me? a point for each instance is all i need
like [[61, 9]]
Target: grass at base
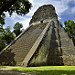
[[48, 70]]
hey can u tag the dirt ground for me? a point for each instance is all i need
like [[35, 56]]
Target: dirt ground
[[8, 71]]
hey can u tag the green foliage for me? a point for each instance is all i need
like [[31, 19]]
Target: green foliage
[[2, 16], [21, 7], [6, 36], [70, 29], [17, 28], [2, 44], [18, 6]]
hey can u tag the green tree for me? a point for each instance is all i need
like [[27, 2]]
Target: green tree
[[17, 28], [70, 29], [2, 42], [6, 36], [21, 7], [18, 6]]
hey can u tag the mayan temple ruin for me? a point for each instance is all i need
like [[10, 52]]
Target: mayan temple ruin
[[43, 43]]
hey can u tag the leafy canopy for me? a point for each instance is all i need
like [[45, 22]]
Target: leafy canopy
[[21, 7], [70, 28], [17, 28], [6, 36]]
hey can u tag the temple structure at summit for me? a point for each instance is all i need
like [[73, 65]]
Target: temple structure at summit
[[43, 43]]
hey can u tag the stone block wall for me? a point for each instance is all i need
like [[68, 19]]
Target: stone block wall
[[43, 13], [56, 48], [15, 54]]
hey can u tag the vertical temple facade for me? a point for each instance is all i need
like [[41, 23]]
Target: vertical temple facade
[[43, 43]]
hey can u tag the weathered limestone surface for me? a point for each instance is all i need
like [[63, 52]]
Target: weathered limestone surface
[[43, 13], [15, 54], [54, 47]]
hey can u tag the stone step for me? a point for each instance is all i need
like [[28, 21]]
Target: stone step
[[61, 43], [18, 51], [66, 42], [60, 51], [68, 50], [63, 35], [69, 60], [54, 60], [56, 34]]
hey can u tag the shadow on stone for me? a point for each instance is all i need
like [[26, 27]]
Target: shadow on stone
[[49, 51], [55, 51], [7, 58]]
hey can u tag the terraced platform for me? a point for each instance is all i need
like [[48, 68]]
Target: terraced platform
[[44, 43]]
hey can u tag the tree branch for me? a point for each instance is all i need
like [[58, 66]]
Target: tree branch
[[7, 6]]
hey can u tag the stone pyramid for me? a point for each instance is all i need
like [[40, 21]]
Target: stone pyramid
[[43, 43]]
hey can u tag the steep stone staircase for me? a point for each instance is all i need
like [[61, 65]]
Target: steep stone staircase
[[42, 44], [15, 54]]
